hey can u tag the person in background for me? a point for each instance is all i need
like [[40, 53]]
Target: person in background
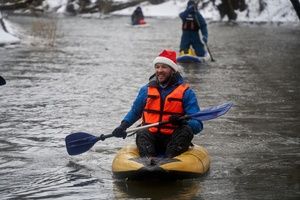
[[228, 8], [192, 21], [165, 97], [137, 17]]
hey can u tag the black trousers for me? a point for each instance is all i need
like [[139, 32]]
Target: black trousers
[[151, 145]]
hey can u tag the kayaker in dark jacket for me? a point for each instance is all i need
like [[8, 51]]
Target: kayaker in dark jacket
[[165, 97], [192, 21], [137, 16]]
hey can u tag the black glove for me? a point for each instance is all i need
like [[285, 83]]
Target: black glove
[[177, 120], [120, 131]]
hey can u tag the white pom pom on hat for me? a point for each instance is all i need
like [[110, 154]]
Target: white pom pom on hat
[[167, 57]]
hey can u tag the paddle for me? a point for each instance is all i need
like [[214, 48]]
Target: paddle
[[80, 142], [2, 81], [206, 45], [210, 55]]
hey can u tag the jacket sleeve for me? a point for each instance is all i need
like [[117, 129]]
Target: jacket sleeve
[[135, 113], [191, 106], [203, 25]]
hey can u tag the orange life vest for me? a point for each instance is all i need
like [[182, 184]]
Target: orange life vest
[[157, 110]]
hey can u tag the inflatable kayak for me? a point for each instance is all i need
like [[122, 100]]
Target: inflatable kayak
[[127, 164], [191, 57], [143, 25]]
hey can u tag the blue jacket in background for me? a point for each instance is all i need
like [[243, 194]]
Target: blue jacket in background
[[190, 104], [191, 37]]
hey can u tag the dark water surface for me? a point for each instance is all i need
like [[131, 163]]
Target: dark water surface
[[88, 80]]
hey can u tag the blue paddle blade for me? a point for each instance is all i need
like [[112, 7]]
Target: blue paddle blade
[[212, 112], [80, 142]]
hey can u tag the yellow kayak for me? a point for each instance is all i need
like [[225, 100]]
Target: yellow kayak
[[127, 164], [191, 57]]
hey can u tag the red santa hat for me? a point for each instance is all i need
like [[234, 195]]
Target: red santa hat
[[167, 57]]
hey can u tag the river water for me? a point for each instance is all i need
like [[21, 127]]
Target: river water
[[88, 80]]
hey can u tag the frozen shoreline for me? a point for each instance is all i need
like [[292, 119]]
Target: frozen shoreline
[[278, 13], [5, 37]]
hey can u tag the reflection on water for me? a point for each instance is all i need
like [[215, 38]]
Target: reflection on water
[[185, 189], [88, 80]]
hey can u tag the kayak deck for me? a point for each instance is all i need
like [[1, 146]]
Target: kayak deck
[[191, 57], [127, 164]]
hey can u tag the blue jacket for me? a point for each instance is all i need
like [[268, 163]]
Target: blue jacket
[[190, 104], [191, 11]]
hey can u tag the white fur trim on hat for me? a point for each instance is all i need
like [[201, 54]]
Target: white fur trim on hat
[[164, 60]]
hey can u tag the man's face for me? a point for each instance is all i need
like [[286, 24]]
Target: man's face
[[163, 72]]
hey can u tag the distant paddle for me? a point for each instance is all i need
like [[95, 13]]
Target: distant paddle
[[198, 23], [80, 142], [2, 81], [211, 57]]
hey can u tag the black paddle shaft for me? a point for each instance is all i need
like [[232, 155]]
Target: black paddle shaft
[[211, 57], [102, 137]]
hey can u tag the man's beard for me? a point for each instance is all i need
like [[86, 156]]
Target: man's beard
[[165, 83]]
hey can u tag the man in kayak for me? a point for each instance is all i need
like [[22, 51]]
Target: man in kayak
[[137, 17], [192, 21], [165, 97]]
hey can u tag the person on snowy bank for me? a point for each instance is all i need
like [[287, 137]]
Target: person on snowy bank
[[165, 97], [192, 21]]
